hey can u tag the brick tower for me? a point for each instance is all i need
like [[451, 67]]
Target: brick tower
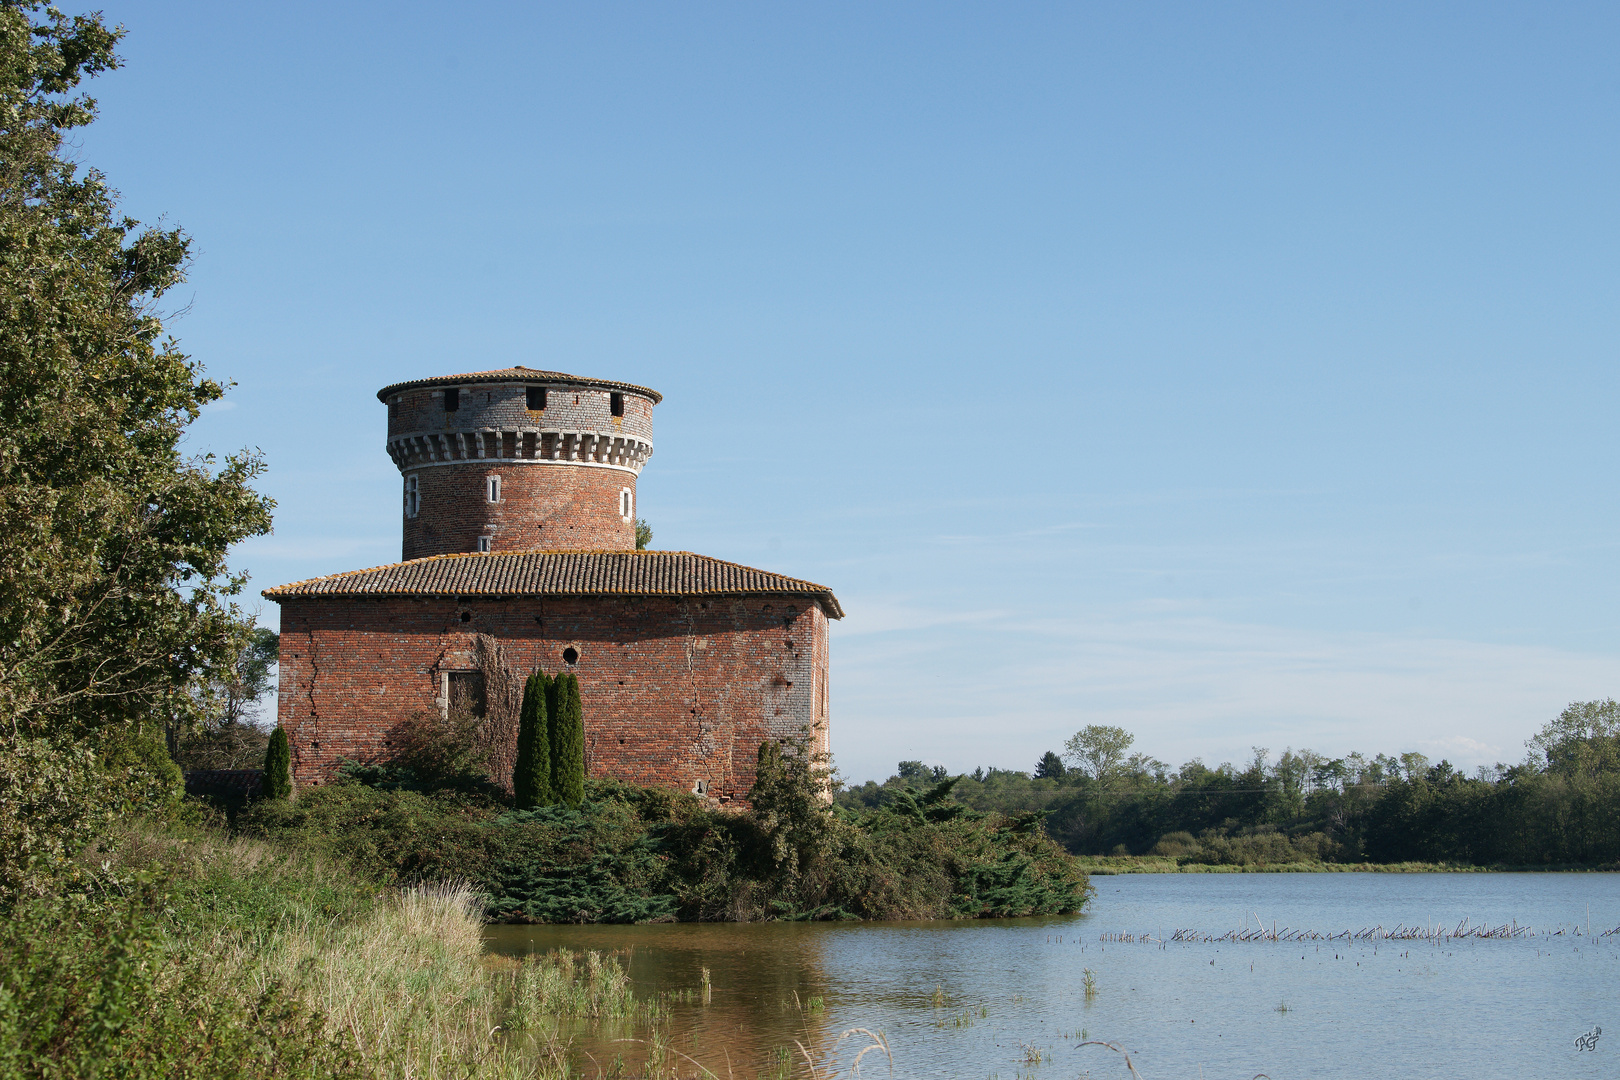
[[518, 459]]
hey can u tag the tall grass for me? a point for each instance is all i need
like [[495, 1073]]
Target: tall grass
[[366, 981]]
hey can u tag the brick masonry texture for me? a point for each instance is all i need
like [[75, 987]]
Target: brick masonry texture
[[504, 407], [675, 690], [686, 663], [554, 506]]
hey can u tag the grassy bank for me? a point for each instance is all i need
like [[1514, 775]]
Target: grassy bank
[[203, 955]]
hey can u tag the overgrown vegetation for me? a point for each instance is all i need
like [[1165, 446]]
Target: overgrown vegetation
[[117, 619], [212, 957], [1560, 807], [629, 854]]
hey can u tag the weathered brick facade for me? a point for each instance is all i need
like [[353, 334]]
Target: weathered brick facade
[[539, 505], [675, 691], [518, 459], [686, 664]]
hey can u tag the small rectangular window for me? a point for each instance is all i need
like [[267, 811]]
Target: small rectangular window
[[494, 491], [616, 404], [483, 544], [452, 400], [413, 496], [537, 398]]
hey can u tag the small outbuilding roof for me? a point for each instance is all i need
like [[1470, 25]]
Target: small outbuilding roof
[[560, 573], [518, 374]]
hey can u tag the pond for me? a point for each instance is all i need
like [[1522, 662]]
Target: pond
[[1217, 976]]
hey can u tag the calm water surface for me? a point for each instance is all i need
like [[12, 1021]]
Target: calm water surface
[[985, 999]]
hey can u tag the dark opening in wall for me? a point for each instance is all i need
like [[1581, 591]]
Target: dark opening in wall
[[616, 403], [537, 398], [452, 400], [570, 655], [467, 693], [466, 616]]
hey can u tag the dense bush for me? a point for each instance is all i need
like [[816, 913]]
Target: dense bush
[[629, 854]]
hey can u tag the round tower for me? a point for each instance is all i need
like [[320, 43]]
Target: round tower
[[518, 459]]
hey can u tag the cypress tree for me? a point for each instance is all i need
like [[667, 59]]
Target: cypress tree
[[278, 766], [531, 776], [568, 742]]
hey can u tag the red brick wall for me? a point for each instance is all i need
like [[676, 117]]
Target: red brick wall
[[674, 691], [554, 506]]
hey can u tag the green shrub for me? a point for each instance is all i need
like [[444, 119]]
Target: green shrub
[[53, 803], [632, 854], [531, 776], [278, 766], [568, 741]]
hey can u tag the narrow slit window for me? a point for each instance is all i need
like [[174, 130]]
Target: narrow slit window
[[483, 544], [452, 399], [413, 495], [537, 398], [626, 504], [493, 488], [616, 403]]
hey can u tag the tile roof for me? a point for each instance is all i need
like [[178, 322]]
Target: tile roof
[[520, 374], [560, 573]]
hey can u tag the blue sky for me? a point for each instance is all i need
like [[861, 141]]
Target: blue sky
[[1238, 374]]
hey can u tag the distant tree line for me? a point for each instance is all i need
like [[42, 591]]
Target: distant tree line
[[1561, 805]]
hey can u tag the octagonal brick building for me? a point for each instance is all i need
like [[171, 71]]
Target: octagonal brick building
[[518, 522]]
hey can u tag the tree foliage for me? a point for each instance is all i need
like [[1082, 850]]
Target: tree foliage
[[531, 778], [1561, 807], [278, 766], [115, 595], [228, 734], [1099, 751], [567, 741], [1583, 740], [1050, 767]]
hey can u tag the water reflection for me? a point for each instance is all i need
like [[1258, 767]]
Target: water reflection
[[767, 990], [1006, 998]]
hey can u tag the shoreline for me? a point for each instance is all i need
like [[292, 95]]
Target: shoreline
[[1115, 865]]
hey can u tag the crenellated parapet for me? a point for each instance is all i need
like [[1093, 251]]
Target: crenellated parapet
[[470, 447], [611, 449]]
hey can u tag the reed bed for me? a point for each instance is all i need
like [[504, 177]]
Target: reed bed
[[400, 976]]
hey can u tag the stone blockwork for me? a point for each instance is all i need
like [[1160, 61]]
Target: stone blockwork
[[676, 691], [540, 505]]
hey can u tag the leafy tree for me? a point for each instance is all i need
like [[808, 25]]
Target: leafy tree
[[643, 534], [229, 735], [1583, 740], [278, 766], [1050, 767], [913, 770], [790, 810], [568, 742], [531, 779], [1414, 765], [115, 596], [1099, 752]]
